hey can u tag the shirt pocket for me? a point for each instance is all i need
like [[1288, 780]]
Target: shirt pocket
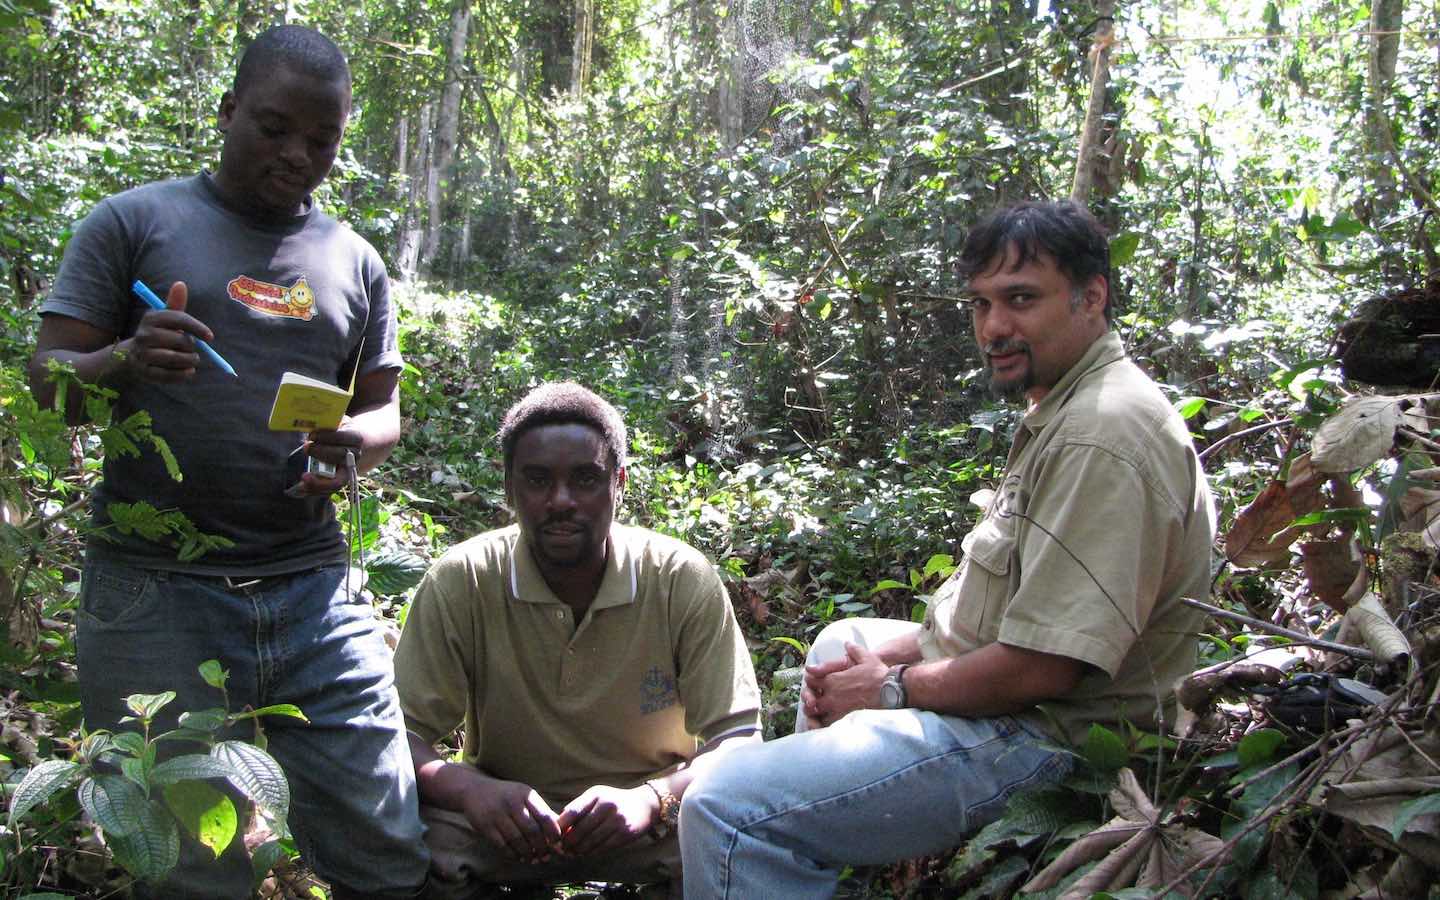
[[992, 568]]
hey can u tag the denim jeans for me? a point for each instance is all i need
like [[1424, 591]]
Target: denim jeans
[[781, 819], [284, 639]]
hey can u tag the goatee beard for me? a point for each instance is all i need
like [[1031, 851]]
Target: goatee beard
[[1009, 390]]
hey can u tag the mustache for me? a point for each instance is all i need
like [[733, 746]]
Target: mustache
[[1007, 345]]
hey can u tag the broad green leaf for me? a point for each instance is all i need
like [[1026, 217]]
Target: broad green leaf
[[206, 813], [145, 706], [114, 803], [130, 742], [152, 849], [942, 563], [94, 744], [790, 642], [214, 674], [394, 573], [264, 858], [275, 709], [40, 784], [1342, 515], [203, 720], [257, 774], [1260, 793], [1189, 407], [889, 584], [1123, 247], [134, 769], [1105, 750], [1258, 747], [189, 767], [1420, 806]]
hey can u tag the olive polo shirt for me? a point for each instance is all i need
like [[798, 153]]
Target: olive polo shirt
[[656, 668], [1103, 521]]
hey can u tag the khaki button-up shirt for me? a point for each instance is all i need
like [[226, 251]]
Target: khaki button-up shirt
[[1103, 521]]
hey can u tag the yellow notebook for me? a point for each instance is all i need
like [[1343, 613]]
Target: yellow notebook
[[303, 403]]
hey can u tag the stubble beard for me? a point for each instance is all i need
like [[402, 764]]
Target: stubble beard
[[1013, 389]]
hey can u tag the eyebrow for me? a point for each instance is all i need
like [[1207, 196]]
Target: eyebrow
[[1014, 287]]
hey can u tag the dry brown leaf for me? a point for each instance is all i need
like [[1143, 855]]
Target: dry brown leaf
[[1402, 757], [1302, 486], [1376, 629], [1420, 511], [1330, 568], [1259, 536], [1083, 850], [1153, 853], [1362, 432]]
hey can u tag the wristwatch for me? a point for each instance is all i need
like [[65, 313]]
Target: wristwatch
[[669, 808], [892, 689]]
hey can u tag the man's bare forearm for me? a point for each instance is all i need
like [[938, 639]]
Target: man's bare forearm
[[997, 679]]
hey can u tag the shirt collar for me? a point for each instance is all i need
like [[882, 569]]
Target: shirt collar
[[1105, 350], [617, 588]]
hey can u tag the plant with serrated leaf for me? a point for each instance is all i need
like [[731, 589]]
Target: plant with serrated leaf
[[141, 798]]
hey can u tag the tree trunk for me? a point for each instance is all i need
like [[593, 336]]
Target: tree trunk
[[1087, 157], [1385, 21], [732, 81], [407, 249], [447, 130], [583, 46]]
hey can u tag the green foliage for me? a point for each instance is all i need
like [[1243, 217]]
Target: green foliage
[[395, 572], [144, 809], [772, 300], [1420, 806]]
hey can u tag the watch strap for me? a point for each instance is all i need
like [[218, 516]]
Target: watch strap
[[896, 677], [669, 807]]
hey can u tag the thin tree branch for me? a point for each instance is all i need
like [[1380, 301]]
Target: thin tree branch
[[1299, 638]]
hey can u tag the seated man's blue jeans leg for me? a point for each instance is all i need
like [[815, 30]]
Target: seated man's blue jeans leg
[[781, 819]]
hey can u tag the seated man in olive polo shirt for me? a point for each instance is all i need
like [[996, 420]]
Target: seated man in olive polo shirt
[[595, 667]]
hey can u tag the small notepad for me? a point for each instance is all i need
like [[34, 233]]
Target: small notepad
[[303, 403]]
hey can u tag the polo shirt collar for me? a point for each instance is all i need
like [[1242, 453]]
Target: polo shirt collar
[[617, 588], [1105, 350]]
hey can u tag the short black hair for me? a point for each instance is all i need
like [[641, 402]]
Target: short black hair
[[1063, 229], [563, 403], [296, 47]]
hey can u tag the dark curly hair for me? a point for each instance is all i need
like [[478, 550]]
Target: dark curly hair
[[1063, 229], [296, 47], [563, 403]]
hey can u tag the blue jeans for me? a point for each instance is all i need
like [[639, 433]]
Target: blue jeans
[[781, 819], [297, 639]]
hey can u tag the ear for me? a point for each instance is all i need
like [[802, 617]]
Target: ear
[[619, 486], [226, 113], [1097, 294]]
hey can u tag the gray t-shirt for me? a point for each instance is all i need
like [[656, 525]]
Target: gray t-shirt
[[297, 297]]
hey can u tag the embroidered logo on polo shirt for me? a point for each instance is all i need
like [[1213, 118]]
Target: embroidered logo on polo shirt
[[657, 691], [295, 302]]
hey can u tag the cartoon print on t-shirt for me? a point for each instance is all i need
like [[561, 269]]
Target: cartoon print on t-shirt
[[295, 302]]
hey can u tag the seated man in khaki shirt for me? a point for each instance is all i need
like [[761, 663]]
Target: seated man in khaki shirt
[[595, 667], [1064, 613]]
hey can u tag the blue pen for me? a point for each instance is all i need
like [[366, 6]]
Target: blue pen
[[144, 293]]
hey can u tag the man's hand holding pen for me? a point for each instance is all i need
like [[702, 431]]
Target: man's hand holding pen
[[163, 348]]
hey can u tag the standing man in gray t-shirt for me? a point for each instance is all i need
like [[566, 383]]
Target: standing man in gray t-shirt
[[247, 263]]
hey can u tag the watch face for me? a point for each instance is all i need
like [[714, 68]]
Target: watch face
[[890, 695]]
